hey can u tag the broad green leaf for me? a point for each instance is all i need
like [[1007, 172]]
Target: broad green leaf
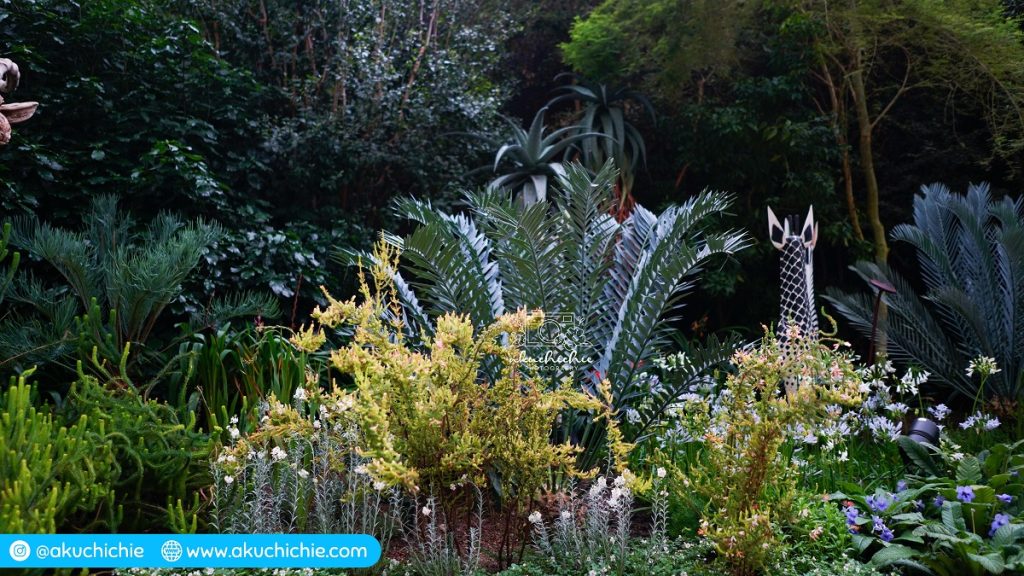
[[968, 471], [992, 562], [892, 553]]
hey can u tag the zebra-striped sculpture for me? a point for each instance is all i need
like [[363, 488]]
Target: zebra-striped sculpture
[[796, 273]]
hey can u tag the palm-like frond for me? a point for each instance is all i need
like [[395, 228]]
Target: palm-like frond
[[971, 253], [614, 286]]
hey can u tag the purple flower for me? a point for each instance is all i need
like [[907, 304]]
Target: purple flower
[[939, 500], [919, 505], [851, 515], [965, 494], [901, 485], [1004, 498], [886, 535], [878, 503], [998, 522]]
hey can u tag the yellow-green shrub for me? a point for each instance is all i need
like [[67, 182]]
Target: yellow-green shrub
[[746, 487], [462, 406]]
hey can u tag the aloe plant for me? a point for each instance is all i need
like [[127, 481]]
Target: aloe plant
[[604, 112], [610, 289], [535, 157]]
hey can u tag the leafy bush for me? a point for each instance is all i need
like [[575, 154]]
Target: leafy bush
[[610, 290], [970, 252], [960, 513], [112, 267], [161, 457], [52, 477], [466, 410], [740, 483]]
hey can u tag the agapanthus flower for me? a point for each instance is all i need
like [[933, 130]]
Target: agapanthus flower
[[984, 365], [965, 493], [998, 522], [884, 429], [939, 412]]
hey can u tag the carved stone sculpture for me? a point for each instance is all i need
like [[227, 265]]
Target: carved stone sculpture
[[11, 113], [796, 272]]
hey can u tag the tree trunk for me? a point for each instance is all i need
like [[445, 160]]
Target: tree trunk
[[867, 164]]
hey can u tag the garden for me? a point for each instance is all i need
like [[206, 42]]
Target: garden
[[559, 288]]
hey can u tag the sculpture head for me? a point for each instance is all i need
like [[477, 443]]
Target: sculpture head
[[10, 114], [796, 274], [9, 76]]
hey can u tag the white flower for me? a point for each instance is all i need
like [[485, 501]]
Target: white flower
[[535, 518], [661, 473], [278, 454], [426, 511], [303, 474], [956, 456], [379, 485], [229, 480], [316, 424], [844, 456], [985, 366], [620, 481], [234, 433], [300, 394], [234, 420], [565, 515]]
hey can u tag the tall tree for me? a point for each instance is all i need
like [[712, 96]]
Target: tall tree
[[873, 52]]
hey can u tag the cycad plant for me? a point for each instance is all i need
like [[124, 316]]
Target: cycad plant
[[118, 279], [604, 112], [610, 290], [535, 157], [971, 254]]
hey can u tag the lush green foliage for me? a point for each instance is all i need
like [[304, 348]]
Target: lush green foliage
[[957, 515], [110, 267], [970, 249], [228, 372]]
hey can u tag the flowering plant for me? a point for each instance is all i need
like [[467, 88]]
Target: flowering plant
[[779, 393], [964, 517]]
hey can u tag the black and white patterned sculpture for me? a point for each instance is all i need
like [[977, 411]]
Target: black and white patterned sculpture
[[796, 273]]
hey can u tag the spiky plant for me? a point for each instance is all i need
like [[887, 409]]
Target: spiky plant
[[604, 112], [971, 254], [535, 157], [118, 279], [612, 289]]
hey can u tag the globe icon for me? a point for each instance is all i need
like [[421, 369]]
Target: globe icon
[[171, 551]]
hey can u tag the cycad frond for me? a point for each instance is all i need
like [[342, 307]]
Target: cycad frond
[[971, 253]]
